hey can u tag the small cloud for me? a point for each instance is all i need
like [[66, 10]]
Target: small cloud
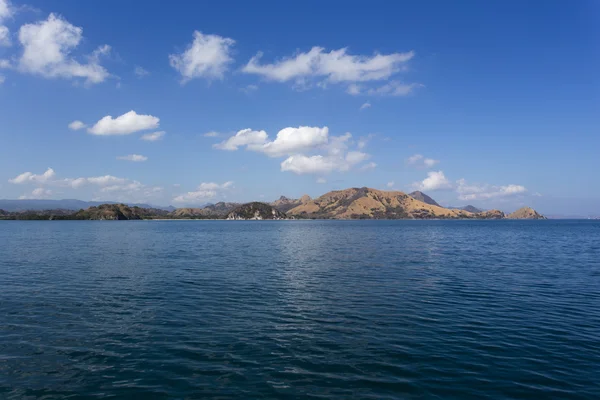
[[211, 134], [208, 56], [154, 136], [204, 192], [125, 124], [390, 184], [140, 72], [39, 193], [76, 125], [436, 180], [365, 106], [321, 180], [419, 161], [133, 157]]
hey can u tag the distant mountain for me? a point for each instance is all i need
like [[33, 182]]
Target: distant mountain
[[66, 204], [285, 204], [525, 213], [101, 212], [417, 195], [469, 208], [366, 203], [257, 211]]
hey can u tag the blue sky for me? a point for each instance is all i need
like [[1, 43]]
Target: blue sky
[[487, 103]]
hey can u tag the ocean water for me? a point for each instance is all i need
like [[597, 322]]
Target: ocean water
[[300, 309]]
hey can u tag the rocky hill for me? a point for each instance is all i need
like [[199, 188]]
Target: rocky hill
[[417, 195], [211, 211], [118, 212], [469, 208], [525, 213], [285, 204], [366, 203], [257, 211]]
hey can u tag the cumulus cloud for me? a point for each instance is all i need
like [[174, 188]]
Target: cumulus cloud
[[207, 57], [419, 161], [125, 124], [5, 13], [153, 137], [368, 166], [47, 47], [39, 193], [76, 125], [320, 165], [245, 137], [133, 157], [321, 180], [140, 72], [288, 140], [334, 66], [483, 192], [211, 134], [294, 142], [436, 180], [365, 106], [390, 184], [204, 192], [28, 177]]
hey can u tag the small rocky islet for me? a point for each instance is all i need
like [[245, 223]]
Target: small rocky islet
[[353, 203]]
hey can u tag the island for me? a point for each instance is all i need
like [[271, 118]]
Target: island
[[353, 203]]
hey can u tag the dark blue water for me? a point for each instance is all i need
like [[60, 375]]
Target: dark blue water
[[291, 309]]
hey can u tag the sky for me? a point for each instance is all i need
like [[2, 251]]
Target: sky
[[494, 104]]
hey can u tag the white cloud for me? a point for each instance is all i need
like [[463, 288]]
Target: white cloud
[[436, 180], [418, 160], [211, 134], [321, 180], [365, 106], [28, 177], [4, 63], [394, 88], [320, 165], [140, 72], [39, 193], [245, 137], [124, 125], [133, 157], [5, 13], [390, 184], [288, 141], [153, 137], [484, 192], [2, 79], [76, 125], [4, 36], [334, 66], [207, 57], [47, 47], [204, 192], [294, 140]]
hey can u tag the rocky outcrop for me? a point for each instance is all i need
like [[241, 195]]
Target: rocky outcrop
[[285, 204], [525, 213], [490, 214], [255, 211], [417, 195], [211, 211]]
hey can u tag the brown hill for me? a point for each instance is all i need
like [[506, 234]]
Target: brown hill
[[525, 213], [366, 203], [218, 210], [285, 204]]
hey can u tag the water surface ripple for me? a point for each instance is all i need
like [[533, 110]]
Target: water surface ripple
[[290, 309]]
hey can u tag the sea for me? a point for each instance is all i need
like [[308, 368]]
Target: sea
[[300, 309]]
